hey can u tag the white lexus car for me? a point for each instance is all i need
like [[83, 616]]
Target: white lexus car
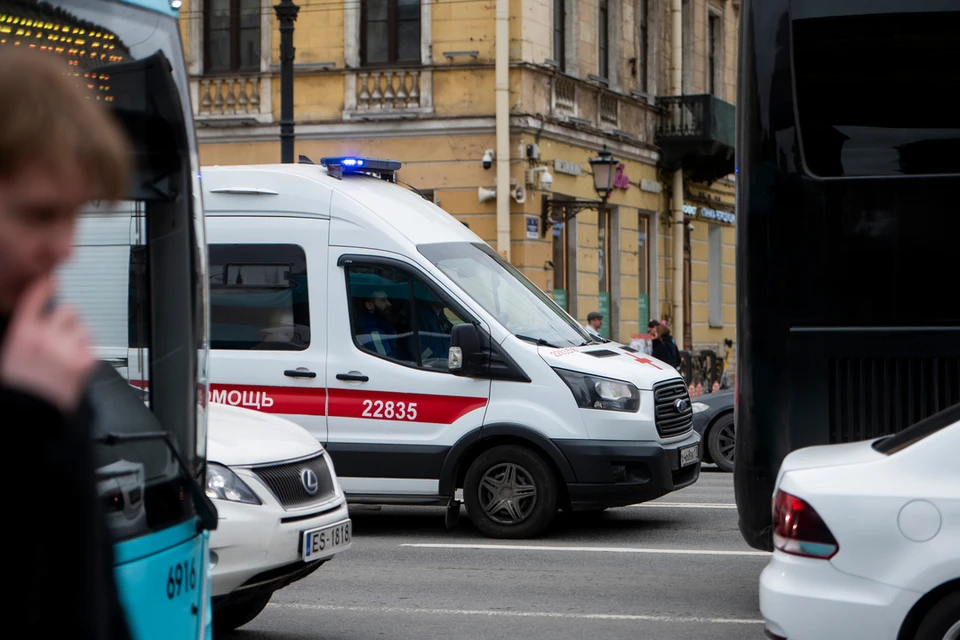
[[282, 513], [867, 539]]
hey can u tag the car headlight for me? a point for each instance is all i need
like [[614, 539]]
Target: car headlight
[[699, 406], [223, 484], [594, 392]]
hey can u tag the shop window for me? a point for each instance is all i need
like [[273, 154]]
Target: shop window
[[715, 283]]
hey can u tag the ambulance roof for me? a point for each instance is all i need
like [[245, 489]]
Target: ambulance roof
[[300, 188]]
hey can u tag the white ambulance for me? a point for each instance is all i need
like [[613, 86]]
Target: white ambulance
[[422, 360]]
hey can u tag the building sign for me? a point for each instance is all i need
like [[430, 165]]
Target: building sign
[[721, 216], [644, 300], [689, 209], [533, 227], [650, 186], [557, 229], [620, 180], [567, 167], [560, 297], [605, 312]]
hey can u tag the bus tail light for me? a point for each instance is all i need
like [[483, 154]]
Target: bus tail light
[[799, 530]]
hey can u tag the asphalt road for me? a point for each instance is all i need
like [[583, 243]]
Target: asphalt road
[[674, 568]]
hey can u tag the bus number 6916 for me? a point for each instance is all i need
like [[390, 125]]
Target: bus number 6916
[[181, 578]]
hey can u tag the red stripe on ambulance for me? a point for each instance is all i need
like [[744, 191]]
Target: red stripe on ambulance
[[306, 401], [401, 407]]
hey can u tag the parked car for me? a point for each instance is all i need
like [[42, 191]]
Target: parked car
[[282, 511], [867, 539], [713, 420]]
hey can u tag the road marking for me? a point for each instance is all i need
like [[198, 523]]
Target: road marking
[[524, 547], [516, 614], [685, 505]]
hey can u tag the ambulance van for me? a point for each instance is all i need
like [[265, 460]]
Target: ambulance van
[[431, 369]]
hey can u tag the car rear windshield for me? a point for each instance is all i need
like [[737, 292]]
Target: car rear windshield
[[918, 431]]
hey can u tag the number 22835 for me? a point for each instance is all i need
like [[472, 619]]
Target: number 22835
[[182, 578], [389, 410]]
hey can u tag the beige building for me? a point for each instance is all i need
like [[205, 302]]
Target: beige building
[[416, 81]]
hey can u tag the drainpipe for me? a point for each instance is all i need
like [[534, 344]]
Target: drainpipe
[[676, 198], [503, 127]]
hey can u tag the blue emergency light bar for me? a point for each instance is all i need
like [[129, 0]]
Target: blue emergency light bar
[[385, 169]]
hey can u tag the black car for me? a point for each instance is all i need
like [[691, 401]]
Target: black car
[[713, 420]]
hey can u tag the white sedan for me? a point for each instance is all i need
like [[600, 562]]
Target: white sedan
[[867, 539], [281, 510]]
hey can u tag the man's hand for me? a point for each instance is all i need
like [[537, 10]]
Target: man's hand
[[46, 353]]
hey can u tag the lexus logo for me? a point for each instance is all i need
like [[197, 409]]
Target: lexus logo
[[681, 405], [310, 482]]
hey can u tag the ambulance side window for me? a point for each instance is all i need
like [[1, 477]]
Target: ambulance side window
[[396, 316], [259, 297]]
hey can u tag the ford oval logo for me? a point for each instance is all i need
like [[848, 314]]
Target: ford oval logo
[[682, 405], [311, 484]]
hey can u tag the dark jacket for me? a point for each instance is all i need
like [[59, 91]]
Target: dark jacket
[[60, 544], [666, 349]]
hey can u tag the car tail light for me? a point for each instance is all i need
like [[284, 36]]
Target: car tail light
[[799, 530]]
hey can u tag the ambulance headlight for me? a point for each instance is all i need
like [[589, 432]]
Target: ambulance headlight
[[594, 392]]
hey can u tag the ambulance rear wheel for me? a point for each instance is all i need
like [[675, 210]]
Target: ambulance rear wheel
[[510, 492]]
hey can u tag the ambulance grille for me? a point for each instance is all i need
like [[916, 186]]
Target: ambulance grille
[[672, 420], [286, 481]]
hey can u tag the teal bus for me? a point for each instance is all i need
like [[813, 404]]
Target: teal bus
[[150, 392]]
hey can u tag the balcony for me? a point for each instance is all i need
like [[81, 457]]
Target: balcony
[[698, 134], [388, 94], [242, 99], [584, 105]]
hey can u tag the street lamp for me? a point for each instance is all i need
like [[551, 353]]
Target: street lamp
[[286, 15], [604, 173], [604, 168]]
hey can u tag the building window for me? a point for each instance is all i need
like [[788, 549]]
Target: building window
[[560, 33], [643, 47], [603, 39], [687, 87], [714, 56], [259, 297], [389, 32], [231, 35], [715, 271], [643, 271]]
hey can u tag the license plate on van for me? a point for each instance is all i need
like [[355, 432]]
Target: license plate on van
[[689, 455], [320, 543]]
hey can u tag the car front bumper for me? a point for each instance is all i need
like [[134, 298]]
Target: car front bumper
[[612, 473], [256, 545], [809, 599]]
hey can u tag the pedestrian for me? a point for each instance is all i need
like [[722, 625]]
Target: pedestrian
[[594, 323], [665, 347], [58, 150]]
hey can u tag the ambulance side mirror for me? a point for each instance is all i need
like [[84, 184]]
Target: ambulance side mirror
[[466, 357]]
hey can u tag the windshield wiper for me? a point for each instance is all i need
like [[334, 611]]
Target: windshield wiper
[[537, 341]]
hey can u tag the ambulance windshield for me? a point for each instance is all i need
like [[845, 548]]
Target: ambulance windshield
[[505, 293]]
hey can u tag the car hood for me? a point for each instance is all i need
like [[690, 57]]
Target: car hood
[[830, 455], [237, 436], [611, 360]]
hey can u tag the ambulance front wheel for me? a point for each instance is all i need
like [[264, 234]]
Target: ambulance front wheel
[[510, 492]]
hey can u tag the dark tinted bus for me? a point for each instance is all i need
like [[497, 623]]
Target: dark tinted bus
[[848, 238]]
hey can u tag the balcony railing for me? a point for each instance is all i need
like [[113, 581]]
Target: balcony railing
[[697, 133], [388, 93], [231, 98]]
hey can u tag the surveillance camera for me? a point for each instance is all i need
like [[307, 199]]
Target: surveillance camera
[[546, 181], [690, 226], [487, 159]]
